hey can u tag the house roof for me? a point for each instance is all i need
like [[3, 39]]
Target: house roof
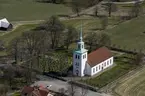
[[99, 56], [35, 91], [4, 20], [27, 89], [39, 92], [4, 23]]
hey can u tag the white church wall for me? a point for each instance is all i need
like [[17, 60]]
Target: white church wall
[[101, 66], [88, 69], [81, 63]]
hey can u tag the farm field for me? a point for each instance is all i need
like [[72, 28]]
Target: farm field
[[89, 24], [130, 34], [131, 85], [25, 10]]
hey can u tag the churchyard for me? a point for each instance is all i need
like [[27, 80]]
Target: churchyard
[[122, 65], [128, 35]]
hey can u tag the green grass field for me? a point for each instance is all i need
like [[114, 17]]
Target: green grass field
[[6, 38], [129, 34], [122, 67], [25, 10], [17, 32]]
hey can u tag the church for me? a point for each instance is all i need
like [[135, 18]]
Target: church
[[92, 63]]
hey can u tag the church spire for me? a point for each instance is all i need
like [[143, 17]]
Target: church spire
[[81, 38]]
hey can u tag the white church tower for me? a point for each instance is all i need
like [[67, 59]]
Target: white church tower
[[80, 58]]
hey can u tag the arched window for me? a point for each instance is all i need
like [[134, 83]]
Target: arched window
[[76, 56]]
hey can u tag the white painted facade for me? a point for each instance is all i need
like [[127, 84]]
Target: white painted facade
[[101, 66], [80, 59], [80, 64]]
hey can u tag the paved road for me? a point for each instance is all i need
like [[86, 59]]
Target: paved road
[[57, 84]]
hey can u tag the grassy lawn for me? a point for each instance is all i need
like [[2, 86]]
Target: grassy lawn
[[17, 32], [122, 67], [25, 10], [17, 94], [90, 24], [129, 34]]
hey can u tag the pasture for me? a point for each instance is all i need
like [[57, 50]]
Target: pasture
[[130, 34], [132, 84], [25, 10]]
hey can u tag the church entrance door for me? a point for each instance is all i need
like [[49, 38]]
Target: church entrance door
[[77, 72]]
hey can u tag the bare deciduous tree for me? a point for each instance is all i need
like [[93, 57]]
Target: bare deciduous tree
[[110, 7], [138, 58], [104, 39], [1, 45], [104, 22], [76, 6], [14, 48], [72, 90], [91, 39], [84, 91], [137, 9], [54, 28], [3, 90], [9, 74], [97, 40], [96, 11], [70, 36]]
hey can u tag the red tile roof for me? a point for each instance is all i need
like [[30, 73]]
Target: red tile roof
[[27, 89], [98, 56], [35, 91]]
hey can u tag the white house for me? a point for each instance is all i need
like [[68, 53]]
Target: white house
[[90, 64], [4, 24]]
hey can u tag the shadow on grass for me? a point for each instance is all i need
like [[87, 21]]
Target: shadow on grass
[[64, 73], [94, 29], [48, 1]]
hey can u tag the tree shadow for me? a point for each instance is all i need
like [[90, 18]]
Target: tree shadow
[[94, 29], [47, 1], [65, 73]]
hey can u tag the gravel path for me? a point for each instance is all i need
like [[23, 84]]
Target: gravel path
[[57, 84]]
